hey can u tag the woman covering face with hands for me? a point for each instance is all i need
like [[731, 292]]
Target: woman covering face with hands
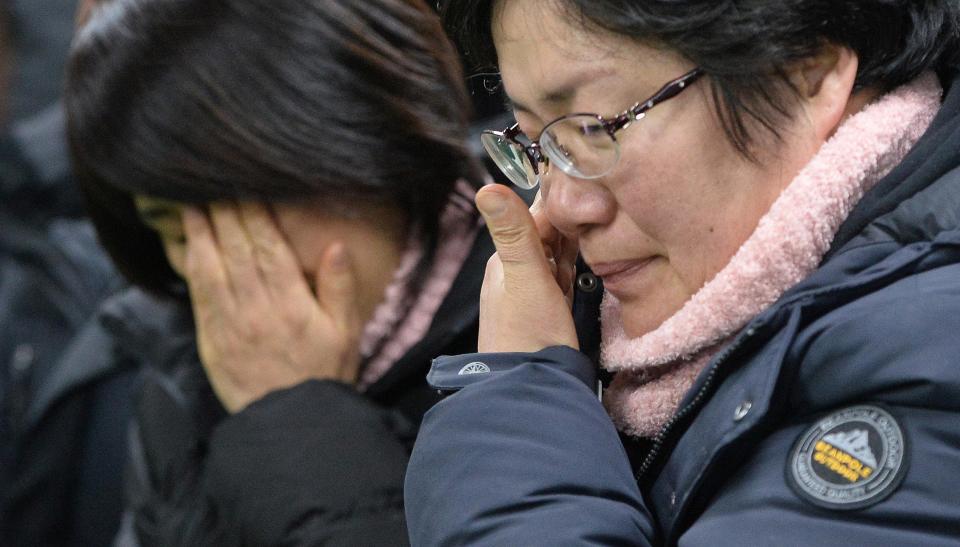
[[291, 176], [764, 197]]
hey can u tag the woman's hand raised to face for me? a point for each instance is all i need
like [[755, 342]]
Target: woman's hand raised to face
[[527, 290], [259, 326]]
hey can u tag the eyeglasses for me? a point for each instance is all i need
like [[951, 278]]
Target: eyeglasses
[[582, 145]]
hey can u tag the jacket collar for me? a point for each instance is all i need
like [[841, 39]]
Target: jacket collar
[[131, 327], [456, 316], [909, 204]]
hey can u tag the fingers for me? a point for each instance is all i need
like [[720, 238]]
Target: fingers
[[560, 250], [337, 295], [337, 288], [537, 205], [278, 265], [206, 276], [282, 275], [567, 263], [236, 250], [521, 282], [514, 232]]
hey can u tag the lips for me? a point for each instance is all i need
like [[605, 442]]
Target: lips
[[617, 274]]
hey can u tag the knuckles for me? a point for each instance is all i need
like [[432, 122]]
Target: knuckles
[[297, 321], [513, 244], [251, 330]]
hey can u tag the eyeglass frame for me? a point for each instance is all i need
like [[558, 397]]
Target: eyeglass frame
[[637, 112]]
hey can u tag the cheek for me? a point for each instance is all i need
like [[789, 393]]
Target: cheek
[[692, 194], [664, 172], [667, 198]]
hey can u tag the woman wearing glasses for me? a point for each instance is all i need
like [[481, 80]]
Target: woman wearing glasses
[[291, 180], [765, 199]]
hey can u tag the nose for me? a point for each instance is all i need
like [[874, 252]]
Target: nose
[[575, 205]]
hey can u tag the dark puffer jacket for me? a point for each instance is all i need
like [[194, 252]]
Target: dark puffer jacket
[[316, 464], [832, 419]]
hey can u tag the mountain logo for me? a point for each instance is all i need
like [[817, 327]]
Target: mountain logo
[[851, 459], [856, 443]]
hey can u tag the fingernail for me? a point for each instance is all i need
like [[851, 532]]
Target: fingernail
[[491, 204]]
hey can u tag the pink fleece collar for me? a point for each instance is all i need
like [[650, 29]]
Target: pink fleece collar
[[654, 371], [397, 324]]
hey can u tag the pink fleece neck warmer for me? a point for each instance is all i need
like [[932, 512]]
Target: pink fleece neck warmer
[[654, 371], [397, 324]]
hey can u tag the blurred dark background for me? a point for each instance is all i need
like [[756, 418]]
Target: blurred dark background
[[43, 29]]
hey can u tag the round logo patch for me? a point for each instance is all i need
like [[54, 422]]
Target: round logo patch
[[851, 459], [474, 368]]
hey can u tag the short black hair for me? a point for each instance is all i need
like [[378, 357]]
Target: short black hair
[[198, 101], [745, 46]]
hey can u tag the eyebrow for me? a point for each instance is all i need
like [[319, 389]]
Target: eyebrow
[[563, 93], [552, 98]]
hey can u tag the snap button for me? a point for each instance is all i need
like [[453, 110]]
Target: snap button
[[23, 357], [742, 410], [587, 282], [673, 499]]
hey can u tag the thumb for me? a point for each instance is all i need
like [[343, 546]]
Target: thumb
[[336, 288], [513, 230]]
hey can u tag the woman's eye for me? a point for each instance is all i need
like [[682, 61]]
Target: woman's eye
[[591, 130]]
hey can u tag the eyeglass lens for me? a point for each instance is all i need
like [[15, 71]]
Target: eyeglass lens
[[511, 158], [580, 146]]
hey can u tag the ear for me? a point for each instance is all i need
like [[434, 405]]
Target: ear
[[825, 83]]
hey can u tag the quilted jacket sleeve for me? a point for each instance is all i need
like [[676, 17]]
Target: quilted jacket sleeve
[[522, 455]]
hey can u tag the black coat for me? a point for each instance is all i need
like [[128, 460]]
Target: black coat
[[318, 463]]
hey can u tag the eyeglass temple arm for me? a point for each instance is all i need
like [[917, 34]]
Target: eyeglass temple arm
[[668, 91]]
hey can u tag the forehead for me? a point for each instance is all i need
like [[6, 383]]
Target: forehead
[[546, 56]]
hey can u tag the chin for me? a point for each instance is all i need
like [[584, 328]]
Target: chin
[[640, 320], [644, 314]]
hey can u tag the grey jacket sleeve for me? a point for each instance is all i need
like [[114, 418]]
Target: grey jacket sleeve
[[523, 454]]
